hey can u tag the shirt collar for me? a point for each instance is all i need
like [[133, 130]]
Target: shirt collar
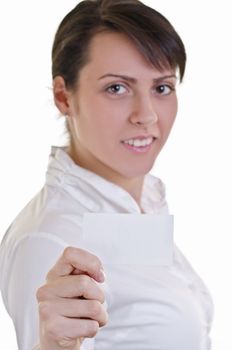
[[63, 171]]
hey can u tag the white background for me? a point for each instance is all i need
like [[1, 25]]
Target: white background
[[195, 164]]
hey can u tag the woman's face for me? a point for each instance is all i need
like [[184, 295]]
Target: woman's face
[[122, 112]]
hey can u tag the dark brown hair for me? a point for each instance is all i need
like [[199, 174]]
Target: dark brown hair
[[150, 31]]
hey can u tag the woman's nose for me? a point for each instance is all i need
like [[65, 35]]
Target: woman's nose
[[144, 112]]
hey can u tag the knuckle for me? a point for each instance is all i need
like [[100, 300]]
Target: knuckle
[[45, 310], [66, 342], [51, 331], [95, 264], [41, 293], [105, 319], [93, 328], [102, 297], [96, 309], [68, 253], [84, 282], [54, 329]]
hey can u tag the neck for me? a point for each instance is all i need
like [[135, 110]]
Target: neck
[[133, 186]]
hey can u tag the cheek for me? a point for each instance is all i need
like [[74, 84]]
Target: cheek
[[108, 123], [98, 128], [167, 117]]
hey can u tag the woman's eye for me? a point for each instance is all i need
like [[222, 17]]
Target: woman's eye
[[164, 89], [116, 89]]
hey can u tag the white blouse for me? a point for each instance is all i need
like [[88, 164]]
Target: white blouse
[[150, 307]]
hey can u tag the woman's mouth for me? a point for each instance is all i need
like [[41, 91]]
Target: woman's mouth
[[140, 144]]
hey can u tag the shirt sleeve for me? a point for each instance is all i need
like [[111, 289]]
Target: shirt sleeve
[[24, 272], [197, 286]]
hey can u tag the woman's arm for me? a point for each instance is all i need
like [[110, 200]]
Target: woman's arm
[[25, 269]]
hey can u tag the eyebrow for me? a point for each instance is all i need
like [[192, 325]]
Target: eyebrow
[[133, 80]]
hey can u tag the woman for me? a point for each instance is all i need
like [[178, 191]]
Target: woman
[[115, 68]]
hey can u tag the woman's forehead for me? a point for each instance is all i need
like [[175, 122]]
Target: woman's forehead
[[115, 53]]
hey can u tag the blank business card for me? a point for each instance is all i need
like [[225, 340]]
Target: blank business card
[[129, 238]]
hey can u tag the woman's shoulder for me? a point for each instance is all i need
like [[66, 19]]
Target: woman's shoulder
[[50, 214]]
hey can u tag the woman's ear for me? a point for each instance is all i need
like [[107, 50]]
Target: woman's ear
[[61, 95]]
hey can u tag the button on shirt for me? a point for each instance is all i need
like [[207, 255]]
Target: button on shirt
[[150, 307]]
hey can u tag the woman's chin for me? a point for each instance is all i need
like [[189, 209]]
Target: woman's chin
[[137, 171]]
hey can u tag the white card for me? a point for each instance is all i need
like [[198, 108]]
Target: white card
[[145, 239]]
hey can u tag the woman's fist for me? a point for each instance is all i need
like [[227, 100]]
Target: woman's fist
[[71, 302]]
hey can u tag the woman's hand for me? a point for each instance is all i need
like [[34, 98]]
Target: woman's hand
[[70, 303]]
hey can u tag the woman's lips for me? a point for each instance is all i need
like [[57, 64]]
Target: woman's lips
[[139, 144]]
